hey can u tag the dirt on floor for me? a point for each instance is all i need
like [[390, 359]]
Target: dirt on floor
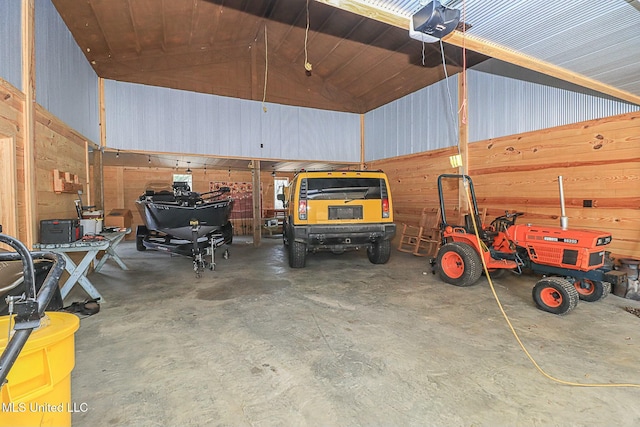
[[341, 342]]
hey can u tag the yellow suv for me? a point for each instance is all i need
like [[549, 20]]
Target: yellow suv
[[338, 211]]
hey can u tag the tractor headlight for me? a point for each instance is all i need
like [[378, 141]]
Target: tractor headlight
[[603, 241]]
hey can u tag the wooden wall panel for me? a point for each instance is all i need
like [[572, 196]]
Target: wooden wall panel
[[56, 147], [11, 104], [413, 182], [598, 159]]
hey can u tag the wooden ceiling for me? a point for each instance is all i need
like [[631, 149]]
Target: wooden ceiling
[[231, 47]]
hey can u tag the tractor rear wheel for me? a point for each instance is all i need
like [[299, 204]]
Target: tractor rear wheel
[[592, 290], [459, 264], [555, 295]]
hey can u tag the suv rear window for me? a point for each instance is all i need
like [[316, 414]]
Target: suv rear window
[[344, 188]]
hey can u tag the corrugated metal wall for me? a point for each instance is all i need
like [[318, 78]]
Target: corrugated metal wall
[[422, 121], [500, 105], [10, 46], [66, 85], [151, 118]]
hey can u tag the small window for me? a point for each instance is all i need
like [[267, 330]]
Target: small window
[[278, 186], [188, 178], [344, 188]]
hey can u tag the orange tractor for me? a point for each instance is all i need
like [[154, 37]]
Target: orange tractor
[[574, 263]]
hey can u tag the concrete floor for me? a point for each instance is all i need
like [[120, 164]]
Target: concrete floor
[[341, 342]]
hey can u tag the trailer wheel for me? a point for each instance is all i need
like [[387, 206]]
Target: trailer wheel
[[458, 264], [592, 290], [555, 295], [140, 244], [297, 254], [379, 252]]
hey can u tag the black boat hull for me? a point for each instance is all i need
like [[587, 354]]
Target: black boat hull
[[177, 221]]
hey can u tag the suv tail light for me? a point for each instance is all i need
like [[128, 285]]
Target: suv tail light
[[302, 209], [385, 208]]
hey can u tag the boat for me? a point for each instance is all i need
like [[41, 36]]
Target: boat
[[172, 212], [185, 222]]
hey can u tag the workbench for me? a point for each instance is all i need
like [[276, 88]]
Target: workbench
[[106, 241]]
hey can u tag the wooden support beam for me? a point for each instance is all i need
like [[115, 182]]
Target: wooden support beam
[[368, 11], [102, 113], [485, 47], [29, 121], [361, 141], [257, 203], [463, 139], [98, 170], [463, 123]]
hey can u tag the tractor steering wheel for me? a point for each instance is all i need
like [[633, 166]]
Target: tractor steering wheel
[[505, 221]]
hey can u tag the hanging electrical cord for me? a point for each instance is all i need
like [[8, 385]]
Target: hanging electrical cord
[[266, 69], [506, 317], [451, 110], [307, 65]]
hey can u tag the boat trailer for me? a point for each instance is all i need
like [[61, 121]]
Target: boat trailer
[[202, 249]]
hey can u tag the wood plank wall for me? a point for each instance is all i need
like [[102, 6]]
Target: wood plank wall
[[598, 159], [124, 185], [11, 103], [56, 147]]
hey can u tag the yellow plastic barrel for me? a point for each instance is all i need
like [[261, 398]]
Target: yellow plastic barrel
[[38, 388]]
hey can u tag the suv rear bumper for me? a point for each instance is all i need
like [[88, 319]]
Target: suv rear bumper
[[344, 236]]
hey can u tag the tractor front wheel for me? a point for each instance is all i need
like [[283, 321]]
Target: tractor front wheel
[[458, 264], [592, 290], [555, 295]]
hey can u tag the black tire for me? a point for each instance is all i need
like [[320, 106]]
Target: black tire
[[285, 235], [555, 295], [297, 254], [592, 290], [458, 264], [227, 233], [140, 244], [379, 252]]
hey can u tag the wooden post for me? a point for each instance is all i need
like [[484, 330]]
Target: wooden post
[[101, 112], [28, 118], [361, 141], [257, 202], [89, 180], [463, 138], [98, 166]]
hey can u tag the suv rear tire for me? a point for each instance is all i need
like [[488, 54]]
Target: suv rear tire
[[297, 254], [379, 252]]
